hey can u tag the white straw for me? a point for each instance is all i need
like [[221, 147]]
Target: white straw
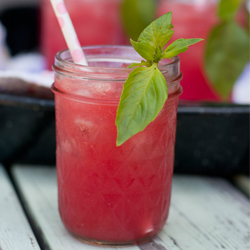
[[68, 32]]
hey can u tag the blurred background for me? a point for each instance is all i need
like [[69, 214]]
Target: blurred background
[[31, 36], [215, 72]]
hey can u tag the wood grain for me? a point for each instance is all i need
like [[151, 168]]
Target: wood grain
[[38, 187], [206, 213], [15, 231]]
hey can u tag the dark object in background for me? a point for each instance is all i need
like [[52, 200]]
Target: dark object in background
[[212, 139], [27, 132], [27, 125], [19, 87], [22, 29]]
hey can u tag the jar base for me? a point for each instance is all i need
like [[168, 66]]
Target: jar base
[[95, 242]]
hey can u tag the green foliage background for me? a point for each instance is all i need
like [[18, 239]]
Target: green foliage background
[[227, 46]]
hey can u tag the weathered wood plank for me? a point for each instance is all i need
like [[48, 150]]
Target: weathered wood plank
[[243, 182], [15, 231], [39, 190], [205, 213]]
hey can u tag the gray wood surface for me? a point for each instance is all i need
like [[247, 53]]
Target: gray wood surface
[[15, 231], [205, 213]]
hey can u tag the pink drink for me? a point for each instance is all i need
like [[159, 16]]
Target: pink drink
[[108, 194], [95, 22], [193, 19]]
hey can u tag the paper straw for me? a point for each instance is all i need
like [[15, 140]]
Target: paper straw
[[69, 32]]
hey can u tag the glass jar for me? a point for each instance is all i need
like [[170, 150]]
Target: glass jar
[[193, 18], [107, 194]]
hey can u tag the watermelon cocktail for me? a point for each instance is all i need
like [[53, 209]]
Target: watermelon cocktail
[[109, 194], [193, 18], [115, 131]]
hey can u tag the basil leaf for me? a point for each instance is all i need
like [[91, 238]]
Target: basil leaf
[[145, 90], [142, 63], [137, 15], [226, 55], [155, 35], [179, 46], [145, 50], [228, 8], [144, 94]]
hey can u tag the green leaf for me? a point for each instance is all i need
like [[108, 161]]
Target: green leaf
[[144, 49], [156, 35], [145, 90], [226, 54], [179, 46], [136, 16], [144, 94], [142, 63], [132, 65], [228, 8]]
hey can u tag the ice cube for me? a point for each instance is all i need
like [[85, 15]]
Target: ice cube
[[85, 126], [103, 88], [89, 129], [68, 145], [95, 90], [83, 92]]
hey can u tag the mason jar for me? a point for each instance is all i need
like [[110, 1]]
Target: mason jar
[[111, 195], [193, 18]]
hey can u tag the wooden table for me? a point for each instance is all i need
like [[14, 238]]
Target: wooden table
[[206, 213]]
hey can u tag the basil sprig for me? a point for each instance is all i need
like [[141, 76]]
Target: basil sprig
[[227, 49], [145, 90]]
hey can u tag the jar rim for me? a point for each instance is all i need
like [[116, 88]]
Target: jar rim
[[82, 77], [110, 53]]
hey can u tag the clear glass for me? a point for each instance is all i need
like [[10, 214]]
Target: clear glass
[[111, 195], [196, 19], [95, 22], [193, 19]]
